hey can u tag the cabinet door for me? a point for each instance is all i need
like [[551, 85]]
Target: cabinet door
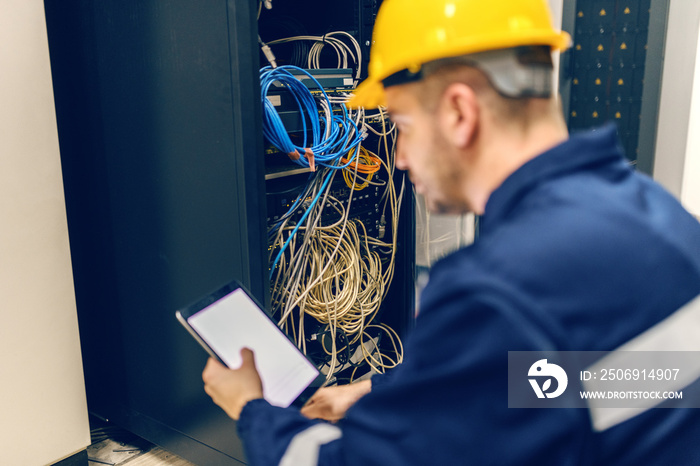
[[159, 126]]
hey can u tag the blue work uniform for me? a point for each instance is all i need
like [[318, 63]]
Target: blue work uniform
[[577, 252]]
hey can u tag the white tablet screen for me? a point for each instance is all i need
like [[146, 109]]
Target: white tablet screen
[[235, 322]]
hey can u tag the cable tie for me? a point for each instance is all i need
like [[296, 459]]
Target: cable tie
[[294, 156], [308, 153]]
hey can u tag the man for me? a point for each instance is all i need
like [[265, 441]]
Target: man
[[577, 252]]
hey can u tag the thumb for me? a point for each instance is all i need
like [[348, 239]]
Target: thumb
[[248, 357]]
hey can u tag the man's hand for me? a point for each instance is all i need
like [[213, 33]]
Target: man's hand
[[231, 389], [331, 403]]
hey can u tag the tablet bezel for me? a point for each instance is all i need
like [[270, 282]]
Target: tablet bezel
[[188, 311]]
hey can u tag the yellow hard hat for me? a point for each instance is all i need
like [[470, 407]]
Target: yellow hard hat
[[409, 33]]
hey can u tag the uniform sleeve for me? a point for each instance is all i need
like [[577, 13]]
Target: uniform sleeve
[[282, 436]]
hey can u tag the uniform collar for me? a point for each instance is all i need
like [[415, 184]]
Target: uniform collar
[[581, 151]]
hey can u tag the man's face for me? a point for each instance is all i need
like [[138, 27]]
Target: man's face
[[432, 163]]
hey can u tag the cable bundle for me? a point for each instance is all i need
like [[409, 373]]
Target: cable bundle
[[367, 163], [335, 277], [324, 265], [331, 137], [334, 274], [341, 49]]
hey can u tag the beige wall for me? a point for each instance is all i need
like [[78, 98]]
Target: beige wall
[[557, 9], [43, 414], [677, 155], [690, 191]]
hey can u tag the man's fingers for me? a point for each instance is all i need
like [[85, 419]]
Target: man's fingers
[[308, 403], [212, 367], [312, 412], [319, 406]]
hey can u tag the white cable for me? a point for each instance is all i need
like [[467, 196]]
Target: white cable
[[341, 48]]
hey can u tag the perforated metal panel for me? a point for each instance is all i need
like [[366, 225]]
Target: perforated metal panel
[[608, 67]]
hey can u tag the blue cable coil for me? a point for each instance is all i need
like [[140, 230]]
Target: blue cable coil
[[326, 150]]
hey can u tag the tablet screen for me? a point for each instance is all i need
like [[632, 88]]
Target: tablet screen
[[235, 322]]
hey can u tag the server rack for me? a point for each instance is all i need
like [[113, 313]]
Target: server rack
[[159, 121]]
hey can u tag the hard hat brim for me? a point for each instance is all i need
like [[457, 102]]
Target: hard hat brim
[[369, 94]]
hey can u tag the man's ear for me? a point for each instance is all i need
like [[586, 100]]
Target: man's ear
[[459, 115]]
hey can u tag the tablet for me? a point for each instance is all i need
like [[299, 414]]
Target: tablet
[[228, 320]]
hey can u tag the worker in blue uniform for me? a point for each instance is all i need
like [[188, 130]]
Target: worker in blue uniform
[[577, 252]]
